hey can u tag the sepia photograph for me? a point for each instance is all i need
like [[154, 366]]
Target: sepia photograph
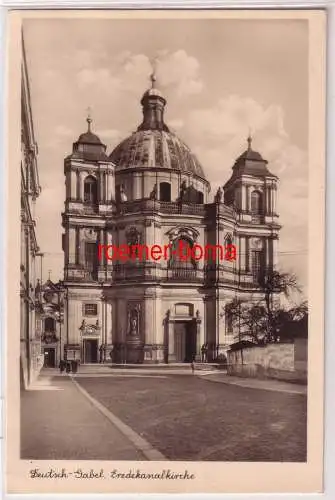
[[166, 284]]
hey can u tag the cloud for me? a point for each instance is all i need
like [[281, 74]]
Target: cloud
[[176, 124], [176, 70], [180, 70]]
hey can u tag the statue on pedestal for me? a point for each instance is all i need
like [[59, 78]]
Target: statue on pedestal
[[219, 195], [153, 194]]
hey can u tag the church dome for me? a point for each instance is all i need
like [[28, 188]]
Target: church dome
[[153, 145], [156, 149]]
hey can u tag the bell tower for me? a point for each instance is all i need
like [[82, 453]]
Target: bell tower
[[90, 199], [252, 192]]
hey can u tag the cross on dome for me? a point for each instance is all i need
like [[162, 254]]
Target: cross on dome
[[153, 76], [89, 119]]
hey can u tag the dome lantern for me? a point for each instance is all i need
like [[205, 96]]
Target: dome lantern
[[153, 104]]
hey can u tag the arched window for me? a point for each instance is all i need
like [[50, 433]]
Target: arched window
[[49, 325], [229, 319], [181, 254], [165, 191], [230, 249], [200, 197], [256, 203], [228, 240], [258, 266], [90, 190]]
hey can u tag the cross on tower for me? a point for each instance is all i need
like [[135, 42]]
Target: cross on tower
[[89, 119]]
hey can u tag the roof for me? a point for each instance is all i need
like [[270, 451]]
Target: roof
[[156, 149]]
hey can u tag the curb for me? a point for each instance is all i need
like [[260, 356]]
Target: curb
[[140, 443]]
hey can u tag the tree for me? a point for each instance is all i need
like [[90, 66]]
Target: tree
[[264, 319], [276, 283]]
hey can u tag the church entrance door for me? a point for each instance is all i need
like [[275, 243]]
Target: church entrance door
[[90, 348], [49, 357], [185, 341]]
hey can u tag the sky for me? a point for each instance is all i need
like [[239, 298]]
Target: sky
[[220, 77]]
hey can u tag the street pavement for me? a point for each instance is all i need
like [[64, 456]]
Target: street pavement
[[103, 414], [59, 422]]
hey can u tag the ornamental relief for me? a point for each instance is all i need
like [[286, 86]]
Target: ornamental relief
[[179, 232], [90, 234], [90, 329], [133, 236], [256, 243]]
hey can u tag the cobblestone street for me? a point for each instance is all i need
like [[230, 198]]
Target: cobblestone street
[[177, 417]]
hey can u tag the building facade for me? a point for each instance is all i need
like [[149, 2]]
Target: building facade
[[31, 359], [51, 321], [152, 190]]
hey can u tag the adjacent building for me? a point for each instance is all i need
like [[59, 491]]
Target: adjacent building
[[31, 359], [152, 190]]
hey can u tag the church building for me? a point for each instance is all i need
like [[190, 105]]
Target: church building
[[152, 190]]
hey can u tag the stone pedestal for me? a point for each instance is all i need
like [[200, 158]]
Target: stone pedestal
[[134, 350]]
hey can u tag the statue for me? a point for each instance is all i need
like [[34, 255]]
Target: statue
[[123, 196], [133, 316], [153, 194], [183, 189], [133, 328], [218, 196]]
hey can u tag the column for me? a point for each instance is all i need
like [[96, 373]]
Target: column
[[148, 324], [275, 251], [101, 187], [101, 253], [109, 323], [77, 192], [247, 253], [73, 187], [247, 203], [72, 245], [244, 197], [77, 246], [110, 185], [82, 176], [105, 197], [137, 186], [198, 333], [242, 253], [170, 335]]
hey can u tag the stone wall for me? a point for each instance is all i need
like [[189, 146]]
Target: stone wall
[[277, 361]]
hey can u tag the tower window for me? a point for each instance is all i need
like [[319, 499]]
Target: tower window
[[165, 191], [90, 190], [229, 319], [91, 259], [256, 203], [258, 265]]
